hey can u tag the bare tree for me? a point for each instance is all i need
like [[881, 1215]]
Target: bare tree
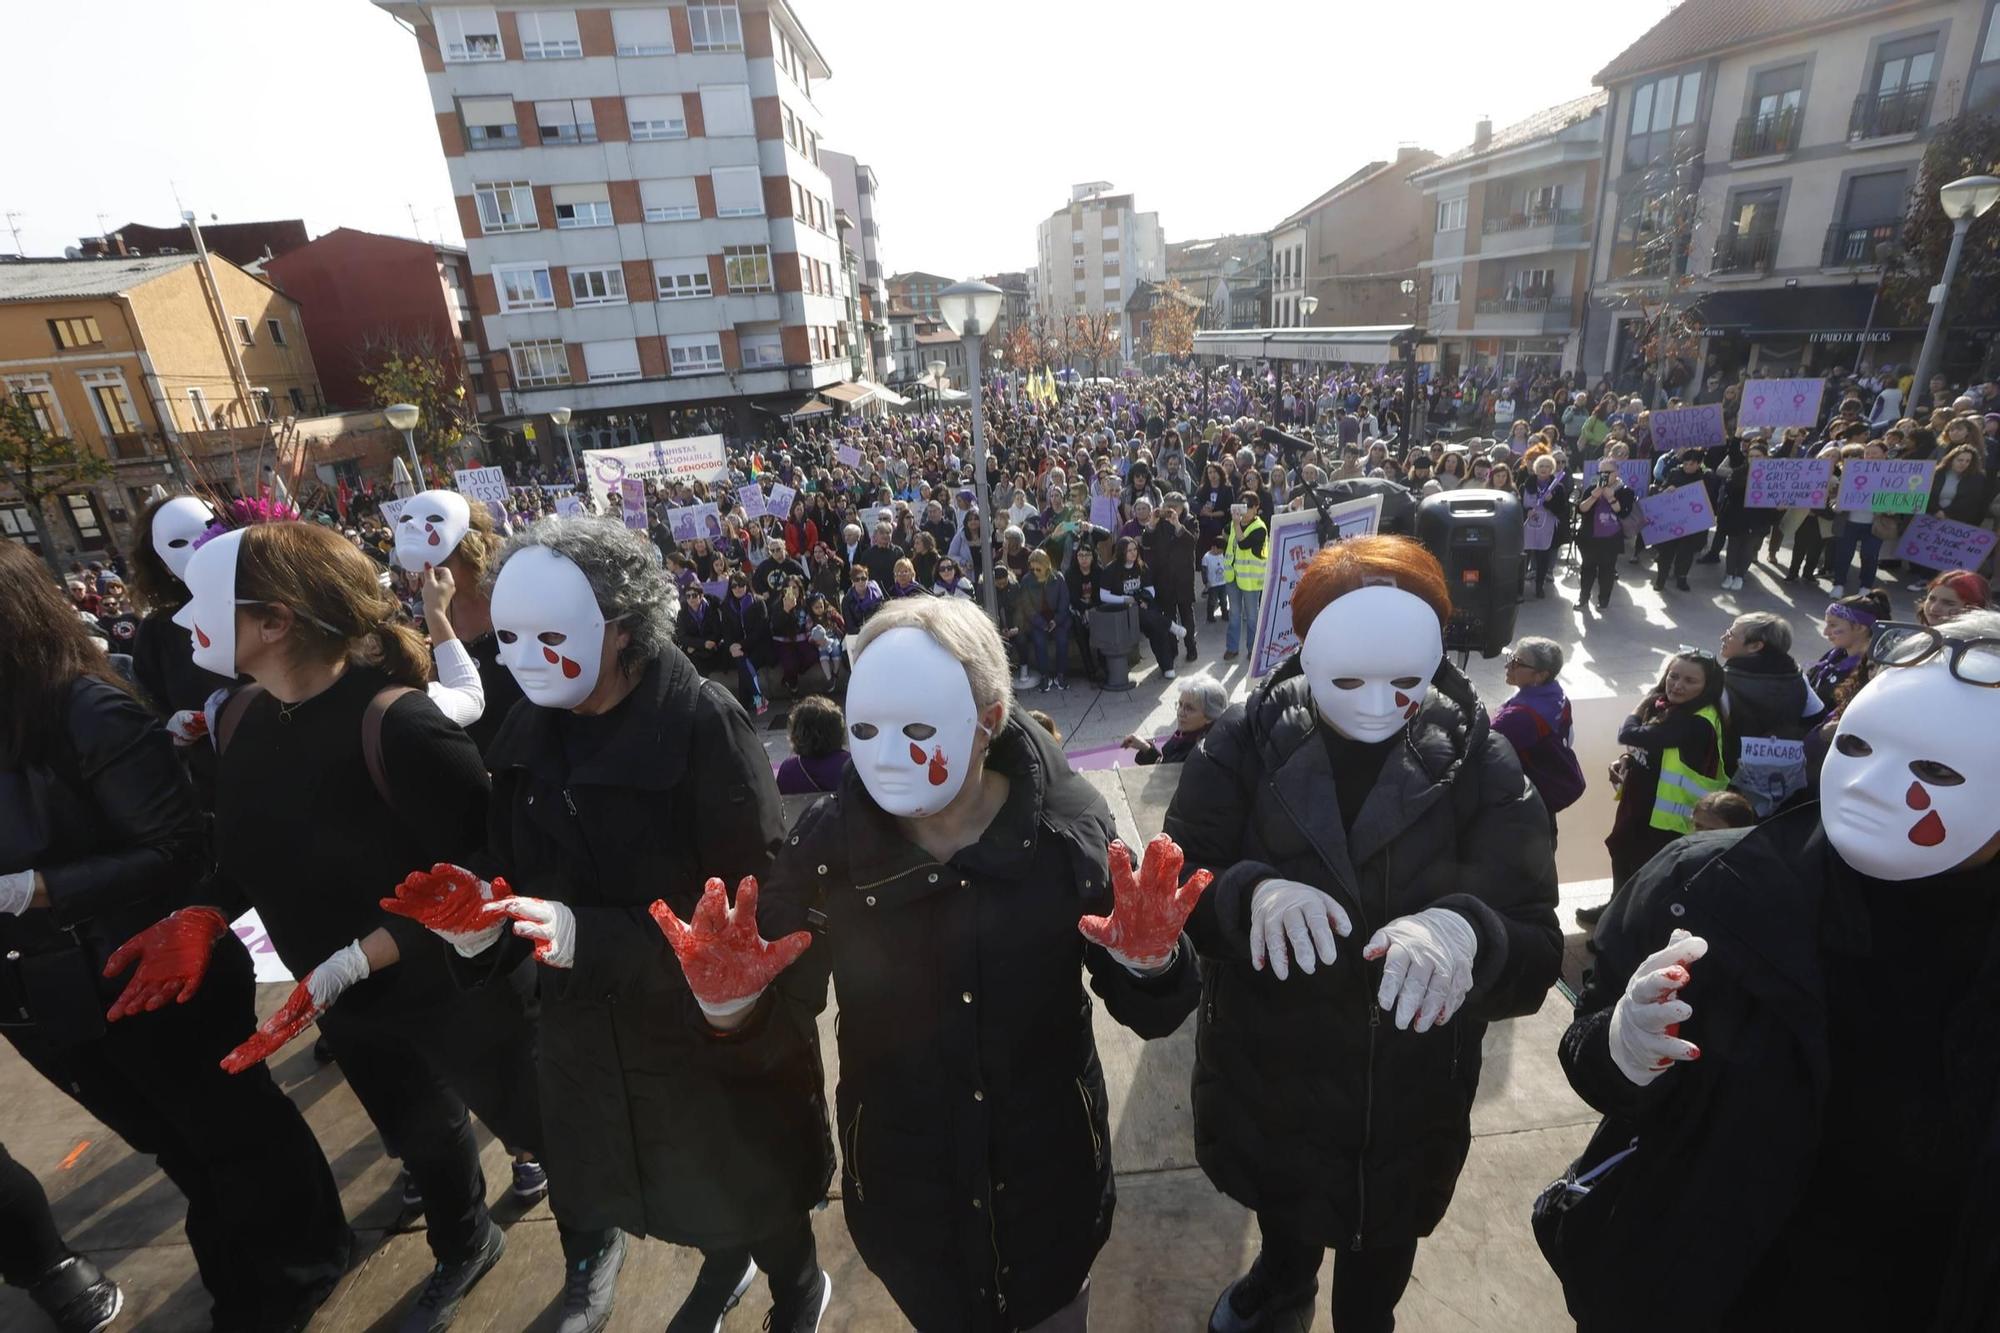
[[1650, 267]]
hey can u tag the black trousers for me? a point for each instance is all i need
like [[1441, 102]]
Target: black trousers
[[1809, 547], [30, 1245], [1367, 1284], [263, 1214], [1179, 611], [1542, 562], [1597, 563], [1675, 558], [789, 1259], [415, 1072], [1159, 632]]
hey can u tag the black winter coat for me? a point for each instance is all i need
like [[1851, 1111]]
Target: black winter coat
[[1310, 1106], [749, 624], [975, 1144], [1727, 1144], [654, 1123]]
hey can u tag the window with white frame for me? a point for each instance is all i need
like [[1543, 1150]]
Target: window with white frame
[[40, 396], [1111, 282], [490, 122], [1451, 214], [760, 349], [277, 332], [198, 406], [1444, 288], [725, 110], [661, 117], [597, 286], [739, 192], [682, 279], [669, 200], [548, 34], [524, 287], [111, 401], [571, 120], [642, 32], [747, 268], [541, 361], [505, 206], [693, 353], [715, 28], [467, 33], [1111, 231], [616, 359], [580, 206], [243, 334]]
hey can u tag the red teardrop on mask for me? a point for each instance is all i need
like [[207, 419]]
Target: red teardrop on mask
[[940, 771], [1916, 797], [1410, 712], [1929, 831], [550, 654], [434, 538], [202, 638], [916, 753], [571, 670], [1402, 699]]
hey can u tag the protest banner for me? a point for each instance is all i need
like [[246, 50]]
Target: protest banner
[[569, 506], [708, 521], [779, 503], [391, 511], [684, 523], [1788, 483], [482, 483], [1636, 473], [1680, 512], [750, 499], [1885, 485], [697, 458], [1942, 543], [1778, 404], [634, 493], [1104, 512], [1688, 428], [848, 456], [1291, 543]]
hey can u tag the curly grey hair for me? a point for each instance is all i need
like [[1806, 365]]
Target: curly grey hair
[[617, 561]]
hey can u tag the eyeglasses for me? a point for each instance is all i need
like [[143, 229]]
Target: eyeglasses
[[1971, 661]]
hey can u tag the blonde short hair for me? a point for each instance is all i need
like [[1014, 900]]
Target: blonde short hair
[[955, 625]]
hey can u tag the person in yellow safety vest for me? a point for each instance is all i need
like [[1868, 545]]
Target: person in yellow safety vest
[[1243, 573], [1674, 757]]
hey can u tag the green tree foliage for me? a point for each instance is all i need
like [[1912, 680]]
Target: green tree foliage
[[39, 465], [413, 371], [1967, 146]]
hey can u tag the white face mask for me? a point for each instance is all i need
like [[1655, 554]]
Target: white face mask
[[175, 526], [910, 722], [210, 615], [550, 629], [430, 528], [1907, 790], [1369, 657]]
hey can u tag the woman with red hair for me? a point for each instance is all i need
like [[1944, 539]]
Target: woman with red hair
[[1953, 593], [1359, 792]]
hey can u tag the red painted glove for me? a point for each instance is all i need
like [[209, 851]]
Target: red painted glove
[[172, 955], [308, 1000], [448, 901], [727, 963], [1147, 912]]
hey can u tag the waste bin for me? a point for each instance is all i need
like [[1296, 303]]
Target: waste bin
[[1114, 633]]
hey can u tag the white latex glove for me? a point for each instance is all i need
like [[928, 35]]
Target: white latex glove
[[1429, 969], [1284, 912], [457, 691], [331, 979], [187, 726], [17, 890], [1645, 1023], [551, 925]]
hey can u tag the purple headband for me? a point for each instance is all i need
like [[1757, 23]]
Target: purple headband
[[1851, 614]]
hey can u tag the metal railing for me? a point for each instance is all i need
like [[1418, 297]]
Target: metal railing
[[1881, 115], [1858, 244], [1534, 217], [1745, 251], [1766, 135], [1514, 305]]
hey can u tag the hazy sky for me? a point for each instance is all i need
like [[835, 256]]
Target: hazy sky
[[1220, 117]]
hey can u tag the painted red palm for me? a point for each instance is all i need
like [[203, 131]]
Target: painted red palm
[[448, 899], [1149, 909], [721, 953]]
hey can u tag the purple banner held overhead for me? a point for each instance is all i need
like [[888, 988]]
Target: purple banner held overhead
[[1680, 512], [1777, 404]]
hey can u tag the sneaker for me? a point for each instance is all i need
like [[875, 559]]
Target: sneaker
[[437, 1304], [1588, 917], [77, 1297], [1045, 687], [1682, 584], [322, 1053], [1709, 560], [1192, 647], [716, 1291], [409, 1192], [1839, 591], [1168, 672], [1230, 655], [802, 1312], [1062, 684], [589, 1286], [531, 1183], [1250, 1305], [763, 707]]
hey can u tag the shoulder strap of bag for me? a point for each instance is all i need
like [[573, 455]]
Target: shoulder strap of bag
[[371, 737], [232, 711]]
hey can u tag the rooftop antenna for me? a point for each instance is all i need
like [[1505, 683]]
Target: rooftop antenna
[[14, 225], [416, 229]]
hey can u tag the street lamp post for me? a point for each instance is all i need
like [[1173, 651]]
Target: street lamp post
[[1307, 304], [1963, 200], [969, 310], [404, 417], [560, 415]]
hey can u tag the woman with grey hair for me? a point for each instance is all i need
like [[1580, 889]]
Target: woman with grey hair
[[1538, 723], [1201, 701], [623, 778]]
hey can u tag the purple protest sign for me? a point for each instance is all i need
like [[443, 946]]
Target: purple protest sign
[[1636, 473], [1788, 483], [1680, 512], [848, 455], [1885, 485], [1943, 543], [1777, 404], [634, 492], [751, 500], [1688, 427]]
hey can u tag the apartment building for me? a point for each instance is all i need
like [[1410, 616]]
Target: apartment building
[[1796, 131], [1092, 254], [1351, 248], [1512, 214], [855, 192], [642, 196], [128, 354], [919, 291], [1224, 273]]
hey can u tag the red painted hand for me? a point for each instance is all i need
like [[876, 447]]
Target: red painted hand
[[724, 958], [172, 955], [449, 901], [1147, 911], [308, 1000]]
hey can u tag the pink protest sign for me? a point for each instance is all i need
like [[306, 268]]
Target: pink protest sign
[[1943, 543], [1788, 483], [1776, 404], [1677, 513]]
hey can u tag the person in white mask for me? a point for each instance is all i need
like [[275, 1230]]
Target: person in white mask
[[428, 530], [1792, 1027], [1385, 887], [623, 779], [163, 667], [959, 885]]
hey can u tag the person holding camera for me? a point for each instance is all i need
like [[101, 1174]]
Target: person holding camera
[[1601, 512]]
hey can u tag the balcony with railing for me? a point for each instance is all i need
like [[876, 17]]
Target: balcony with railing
[[1746, 252], [1859, 244], [1533, 228], [1772, 135], [1535, 310], [1887, 115]]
